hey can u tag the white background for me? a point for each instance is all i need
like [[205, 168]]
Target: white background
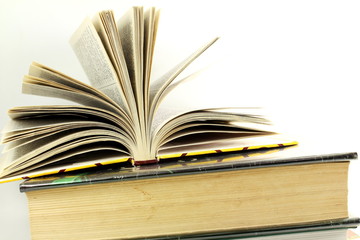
[[298, 59]]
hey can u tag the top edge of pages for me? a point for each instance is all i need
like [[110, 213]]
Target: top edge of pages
[[114, 117]]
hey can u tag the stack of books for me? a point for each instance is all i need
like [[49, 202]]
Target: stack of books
[[115, 167]]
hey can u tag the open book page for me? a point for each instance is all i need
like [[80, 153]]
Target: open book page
[[22, 136], [57, 139], [42, 87], [170, 112], [180, 121], [151, 21], [209, 121], [25, 156], [105, 25], [35, 113], [78, 156], [44, 81], [227, 144], [158, 88], [50, 75], [131, 28], [27, 132], [167, 111], [92, 55], [17, 129], [212, 129], [41, 71], [208, 140]]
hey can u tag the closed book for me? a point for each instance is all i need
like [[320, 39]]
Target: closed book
[[262, 189]]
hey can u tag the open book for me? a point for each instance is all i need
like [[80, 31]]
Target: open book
[[117, 117]]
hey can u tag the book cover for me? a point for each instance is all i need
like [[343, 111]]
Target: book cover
[[265, 188]]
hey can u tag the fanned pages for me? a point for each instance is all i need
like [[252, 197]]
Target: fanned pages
[[117, 119]]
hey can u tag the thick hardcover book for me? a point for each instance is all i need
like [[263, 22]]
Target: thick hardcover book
[[193, 196]]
